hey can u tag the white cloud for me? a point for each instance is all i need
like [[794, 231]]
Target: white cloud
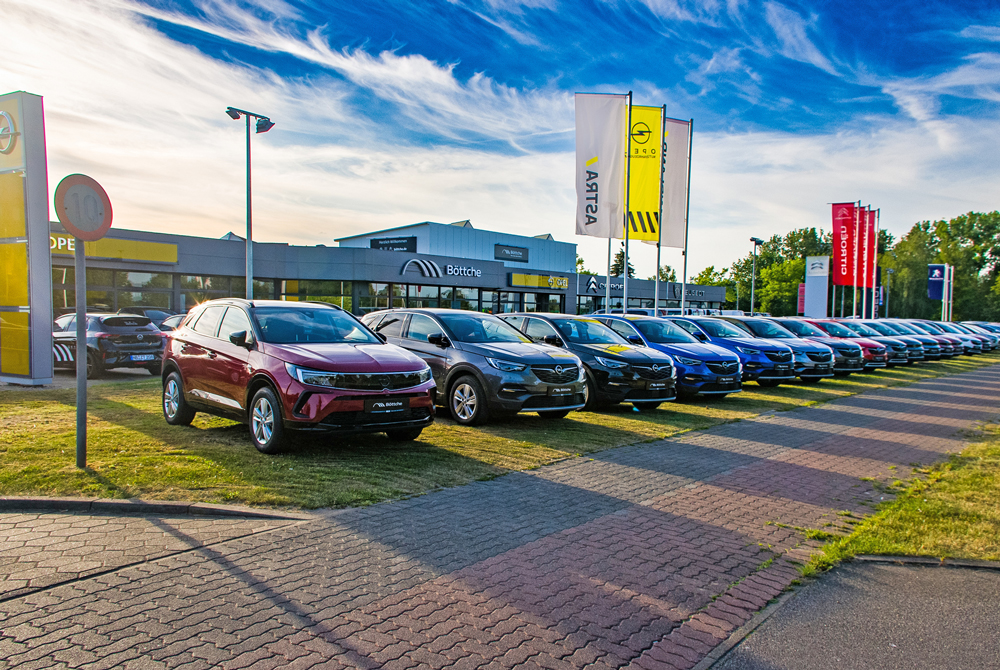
[[987, 33], [791, 31]]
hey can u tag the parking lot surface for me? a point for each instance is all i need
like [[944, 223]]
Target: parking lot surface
[[866, 615], [646, 556]]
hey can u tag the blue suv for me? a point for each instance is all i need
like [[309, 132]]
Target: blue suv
[[767, 363], [701, 368]]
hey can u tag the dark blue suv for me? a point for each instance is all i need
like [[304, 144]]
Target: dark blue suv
[[767, 363], [701, 368]]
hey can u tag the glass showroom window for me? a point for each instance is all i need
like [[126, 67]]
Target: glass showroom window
[[263, 289], [196, 289], [509, 302], [334, 292], [423, 296], [100, 294], [373, 296]]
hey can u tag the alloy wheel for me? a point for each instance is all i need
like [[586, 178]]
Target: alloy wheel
[[464, 401], [171, 398], [262, 421]]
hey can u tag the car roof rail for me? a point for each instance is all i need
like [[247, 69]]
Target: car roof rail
[[322, 302]]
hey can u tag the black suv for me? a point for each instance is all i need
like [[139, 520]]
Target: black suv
[[617, 371], [113, 341], [482, 366]]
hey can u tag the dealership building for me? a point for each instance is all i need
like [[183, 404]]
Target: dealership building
[[420, 265]]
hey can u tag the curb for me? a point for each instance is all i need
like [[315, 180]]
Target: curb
[[929, 561], [107, 505]]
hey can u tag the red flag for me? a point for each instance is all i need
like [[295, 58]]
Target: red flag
[[867, 249], [843, 244]]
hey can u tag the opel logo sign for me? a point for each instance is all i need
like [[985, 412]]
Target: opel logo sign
[[559, 369], [656, 368], [384, 381], [8, 133], [139, 336], [640, 133]]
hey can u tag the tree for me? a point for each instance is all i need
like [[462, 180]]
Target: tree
[[580, 269], [779, 287], [617, 267], [667, 273]]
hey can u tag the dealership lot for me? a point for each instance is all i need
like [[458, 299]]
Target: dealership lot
[[646, 555]]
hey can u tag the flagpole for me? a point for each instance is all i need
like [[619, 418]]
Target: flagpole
[[607, 282], [659, 216], [878, 222], [854, 298], [687, 212], [864, 279], [628, 166]]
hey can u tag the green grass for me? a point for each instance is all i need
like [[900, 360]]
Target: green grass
[[134, 453], [952, 510]]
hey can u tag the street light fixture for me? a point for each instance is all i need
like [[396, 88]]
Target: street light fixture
[[264, 124], [753, 277]]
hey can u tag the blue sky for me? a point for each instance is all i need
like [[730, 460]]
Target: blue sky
[[394, 112]]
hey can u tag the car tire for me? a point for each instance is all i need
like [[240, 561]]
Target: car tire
[[407, 435], [768, 383], [95, 367], [590, 391], [175, 409], [467, 402], [561, 414], [647, 406], [267, 431]]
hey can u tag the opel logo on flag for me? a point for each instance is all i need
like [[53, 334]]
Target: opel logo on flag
[[426, 268], [640, 133], [592, 284], [8, 133]]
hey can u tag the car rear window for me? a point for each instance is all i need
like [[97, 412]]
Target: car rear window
[[126, 323]]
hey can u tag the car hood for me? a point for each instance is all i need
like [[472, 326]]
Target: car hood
[[801, 346], [346, 357], [708, 352], [522, 352], [751, 342], [624, 352], [829, 341], [867, 342]]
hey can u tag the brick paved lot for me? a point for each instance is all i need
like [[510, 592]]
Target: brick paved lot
[[646, 556]]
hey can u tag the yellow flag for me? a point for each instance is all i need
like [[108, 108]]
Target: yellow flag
[[646, 144]]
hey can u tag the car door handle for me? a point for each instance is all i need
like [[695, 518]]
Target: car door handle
[[212, 354]]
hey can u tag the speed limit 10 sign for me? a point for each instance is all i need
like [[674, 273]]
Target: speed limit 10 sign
[[83, 208]]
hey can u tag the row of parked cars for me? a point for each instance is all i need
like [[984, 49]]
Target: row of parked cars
[[281, 366]]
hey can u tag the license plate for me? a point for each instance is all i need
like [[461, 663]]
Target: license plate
[[386, 405], [822, 367], [782, 366], [727, 380], [560, 390], [656, 386], [141, 357]]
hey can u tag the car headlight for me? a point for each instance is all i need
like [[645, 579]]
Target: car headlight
[[748, 351], [614, 365], [583, 374], [687, 361], [425, 375], [505, 366], [312, 377]]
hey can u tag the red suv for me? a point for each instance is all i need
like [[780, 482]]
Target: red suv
[[293, 365]]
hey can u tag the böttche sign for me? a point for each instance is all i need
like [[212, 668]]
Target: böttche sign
[[503, 252]]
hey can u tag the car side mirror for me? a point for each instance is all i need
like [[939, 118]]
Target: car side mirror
[[701, 336], [382, 337], [438, 339], [554, 340], [636, 340], [239, 338]]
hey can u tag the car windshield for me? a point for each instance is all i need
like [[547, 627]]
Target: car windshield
[[837, 330], [721, 329], [662, 332], [769, 329], [803, 329], [286, 325], [881, 328], [951, 328], [862, 329], [480, 329], [931, 328], [587, 331], [905, 329]]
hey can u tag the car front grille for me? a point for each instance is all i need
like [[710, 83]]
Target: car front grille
[[723, 367], [779, 356], [361, 381], [347, 420], [899, 347], [647, 372], [849, 353], [820, 356], [556, 374]]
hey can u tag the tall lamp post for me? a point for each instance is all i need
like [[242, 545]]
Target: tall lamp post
[[264, 124], [888, 285], [753, 277]]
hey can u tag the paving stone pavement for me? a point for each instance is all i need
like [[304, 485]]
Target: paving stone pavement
[[641, 557]]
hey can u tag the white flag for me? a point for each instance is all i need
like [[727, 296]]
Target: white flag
[[601, 127], [675, 182]]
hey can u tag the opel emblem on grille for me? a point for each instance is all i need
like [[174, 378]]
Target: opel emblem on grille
[[139, 336], [656, 368], [384, 381], [559, 369]]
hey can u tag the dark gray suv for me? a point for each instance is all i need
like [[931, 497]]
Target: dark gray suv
[[484, 368]]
